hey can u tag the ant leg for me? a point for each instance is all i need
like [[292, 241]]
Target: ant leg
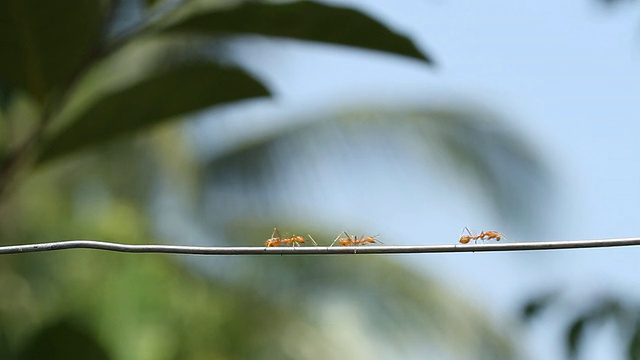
[[474, 237], [351, 239], [275, 231], [468, 232], [314, 242], [376, 240], [465, 239], [271, 239], [336, 239]]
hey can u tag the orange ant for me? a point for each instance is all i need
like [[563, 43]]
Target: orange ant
[[294, 240], [485, 235], [353, 240]]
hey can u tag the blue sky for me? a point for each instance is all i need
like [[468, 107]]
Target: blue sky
[[566, 75]]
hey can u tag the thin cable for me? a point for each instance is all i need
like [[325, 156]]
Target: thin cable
[[315, 250]]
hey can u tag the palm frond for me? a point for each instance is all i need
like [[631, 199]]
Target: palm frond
[[473, 142]]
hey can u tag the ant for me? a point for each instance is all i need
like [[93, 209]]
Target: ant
[[485, 235], [294, 240], [349, 240]]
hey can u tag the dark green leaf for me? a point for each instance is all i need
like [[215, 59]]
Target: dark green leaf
[[606, 309], [634, 345], [63, 341], [5, 345], [44, 42], [574, 336], [302, 20], [538, 304], [151, 3], [178, 91], [6, 92]]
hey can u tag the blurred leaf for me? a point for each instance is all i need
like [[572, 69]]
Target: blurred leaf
[[63, 341], [603, 310], [479, 143], [6, 92], [600, 310], [6, 352], [574, 335], [538, 304], [44, 42], [152, 3], [610, 308], [176, 92], [302, 20], [473, 141], [633, 350], [615, 2]]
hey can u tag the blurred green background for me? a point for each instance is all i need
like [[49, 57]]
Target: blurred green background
[[93, 145]]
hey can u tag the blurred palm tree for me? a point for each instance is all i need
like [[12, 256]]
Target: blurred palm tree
[[123, 74]]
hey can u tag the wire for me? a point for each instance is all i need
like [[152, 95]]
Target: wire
[[315, 250]]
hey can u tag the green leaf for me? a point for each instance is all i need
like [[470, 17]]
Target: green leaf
[[302, 20], [151, 3], [44, 42], [535, 306], [606, 309], [633, 350], [6, 93], [175, 92], [574, 335], [6, 351], [63, 341]]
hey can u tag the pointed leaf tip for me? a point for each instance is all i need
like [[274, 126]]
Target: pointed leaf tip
[[301, 20]]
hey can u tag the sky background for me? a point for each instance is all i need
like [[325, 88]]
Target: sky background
[[565, 75]]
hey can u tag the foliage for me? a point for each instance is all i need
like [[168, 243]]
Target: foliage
[[133, 104]]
